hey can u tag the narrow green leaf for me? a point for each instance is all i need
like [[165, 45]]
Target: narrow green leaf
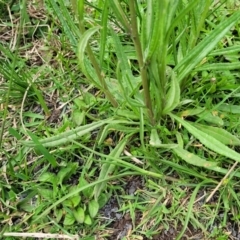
[[43, 150], [67, 136], [205, 46], [229, 108], [220, 134], [108, 168], [191, 112], [208, 116], [86, 68], [117, 126], [104, 30], [120, 14], [193, 159], [14, 133], [219, 66], [173, 95], [227, 50], [209, 141]]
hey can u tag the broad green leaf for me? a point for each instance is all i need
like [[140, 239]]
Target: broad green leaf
[[209, 141], [88, 220], [66, 172], [69, 219], [173, 95], [154, 138], [196, 55], [75, 200], [58, 214], [79, 214], [88, 191], [72, 202], [220, 134], [47, 177], [46, 193], [193, 159], [103, 199], [78, 117], [93, 208], [108, 168]]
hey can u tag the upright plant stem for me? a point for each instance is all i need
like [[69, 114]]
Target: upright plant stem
[[143, 70], [93, 60]]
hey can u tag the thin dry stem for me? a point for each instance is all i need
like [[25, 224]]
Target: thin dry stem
[[41, 235], [221, 182]]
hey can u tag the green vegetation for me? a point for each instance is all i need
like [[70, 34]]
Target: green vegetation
[[119, 119]]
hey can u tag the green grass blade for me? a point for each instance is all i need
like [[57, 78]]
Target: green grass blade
[[190, 208], [120, 14], [77, 191], [104, 31], [108, 168], [43, 150]]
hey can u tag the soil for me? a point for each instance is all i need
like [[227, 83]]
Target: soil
[[121, 224]]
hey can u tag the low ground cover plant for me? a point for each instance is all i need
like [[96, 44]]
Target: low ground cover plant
[[121, 92]]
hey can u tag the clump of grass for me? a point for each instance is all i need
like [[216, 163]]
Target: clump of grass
[[161, 102]]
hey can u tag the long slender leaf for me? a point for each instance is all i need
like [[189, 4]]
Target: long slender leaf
[[205, 46], [220, 134], [209, 141], [65, 137], [193, 159], [173, 95], [87, 69], [108, 168]]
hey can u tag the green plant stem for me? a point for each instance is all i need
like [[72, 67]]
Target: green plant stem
[[101, 77], [143, 70], [93, 60]]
